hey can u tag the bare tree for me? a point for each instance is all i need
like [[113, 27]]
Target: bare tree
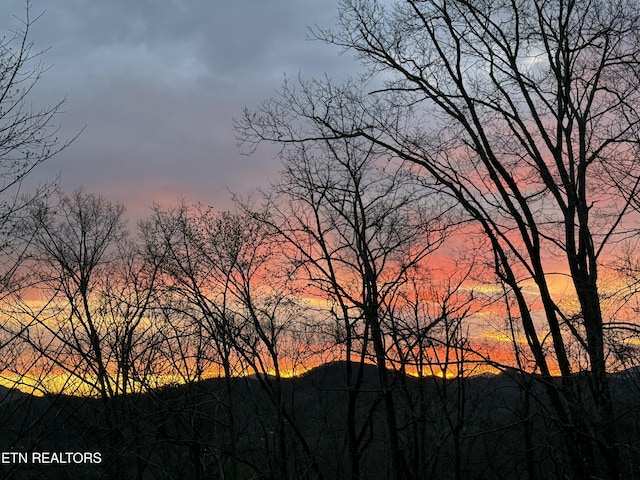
[[235, 313], [427, 328], [28, 137], [87, 311], [194, 283], [196, 261], [88, 319], [354, 229], [527, 114], [273, 339], [75, 246]]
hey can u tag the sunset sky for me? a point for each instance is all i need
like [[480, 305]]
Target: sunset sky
[[157, 84]]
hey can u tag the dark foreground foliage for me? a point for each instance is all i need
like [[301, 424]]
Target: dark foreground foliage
[[485, 427]]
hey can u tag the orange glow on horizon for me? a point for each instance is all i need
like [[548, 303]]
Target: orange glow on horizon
[[491, 345]]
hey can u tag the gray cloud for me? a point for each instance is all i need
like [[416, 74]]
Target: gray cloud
[[157, 83]]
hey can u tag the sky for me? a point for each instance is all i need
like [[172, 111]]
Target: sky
[[155, 84], [153, 87]]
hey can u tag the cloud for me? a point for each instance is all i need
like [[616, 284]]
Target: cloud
[[157, 83]]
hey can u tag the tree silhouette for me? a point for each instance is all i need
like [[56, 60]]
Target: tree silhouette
[[28, 137], [355, 232], [526, 113]]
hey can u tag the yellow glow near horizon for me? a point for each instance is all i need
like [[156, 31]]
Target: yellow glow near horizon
[[499, 346]]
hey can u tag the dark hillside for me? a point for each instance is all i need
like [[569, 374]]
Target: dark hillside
[[229, 429]]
